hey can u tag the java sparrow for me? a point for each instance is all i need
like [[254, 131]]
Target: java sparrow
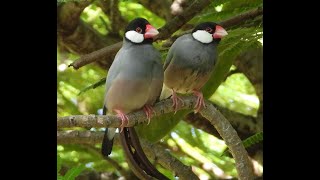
[[190, 61], [134, 81]]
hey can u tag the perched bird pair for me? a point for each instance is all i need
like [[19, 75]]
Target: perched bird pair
[[136, 77]]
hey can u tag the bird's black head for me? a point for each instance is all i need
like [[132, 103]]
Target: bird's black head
[[208, 31], [140, 31]]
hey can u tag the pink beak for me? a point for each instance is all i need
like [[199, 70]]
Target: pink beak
[[150, 32], [219, 33]]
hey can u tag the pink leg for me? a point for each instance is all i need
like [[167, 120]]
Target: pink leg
[[124, 118], [148, 110], [175, 99], [200, 101]]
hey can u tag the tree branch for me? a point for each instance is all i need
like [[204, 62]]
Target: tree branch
[[243, 165], [175, 24], [68, 16], [245, 125], [153, 151], [97, 55], [242, 18], [236, 20], [77, 36], [178, 21], [161, 155], [160, 8], [110, 8], [224, 128]]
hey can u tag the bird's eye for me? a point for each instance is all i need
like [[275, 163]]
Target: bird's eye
[[139, 30], [208, 29]]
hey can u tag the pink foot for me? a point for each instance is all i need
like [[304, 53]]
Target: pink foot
[[148, 110], [175, 99], [200, 101], [124, 118]]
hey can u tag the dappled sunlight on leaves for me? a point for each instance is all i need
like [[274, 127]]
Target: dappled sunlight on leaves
[[99, 21], [202, 148], [133, 10], [237, 94]]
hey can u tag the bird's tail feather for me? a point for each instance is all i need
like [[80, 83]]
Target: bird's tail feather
[[165, 92], [107, 144], [108, 137], [133, 160], [130, 141]]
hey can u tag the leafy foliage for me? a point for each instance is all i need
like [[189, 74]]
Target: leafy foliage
[[82, 92], [71, 174]]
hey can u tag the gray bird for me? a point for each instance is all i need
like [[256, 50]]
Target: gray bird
[[190, 62], [134, 81]]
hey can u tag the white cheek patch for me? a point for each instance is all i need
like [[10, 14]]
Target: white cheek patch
[[134, 36], [203, 36]]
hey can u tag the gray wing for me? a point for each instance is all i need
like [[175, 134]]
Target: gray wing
[[107, 142], [113, 72], [181, 44], [170, 55]]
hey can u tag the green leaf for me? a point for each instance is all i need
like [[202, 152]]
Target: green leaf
[[60, 177], [237, 41], [101, 82], [74, 172], [252, 140], [59, 163]]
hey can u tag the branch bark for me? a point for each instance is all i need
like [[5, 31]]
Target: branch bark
[[174, 24], [245, 125], [224, 128], [242, 17], [110, 7], [153, 151], [78, 37], [178, 21], [161, 155], [160, 8]]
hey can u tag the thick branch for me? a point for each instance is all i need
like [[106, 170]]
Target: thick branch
[[232, 140], [110, 51], [160, 8], [110, 7], [77, 36], [226, 131], [245, 125], [68, 16], [242, 17], [97, 55], [153, 151]]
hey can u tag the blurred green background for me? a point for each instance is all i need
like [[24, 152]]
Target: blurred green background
[[192, 146]]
